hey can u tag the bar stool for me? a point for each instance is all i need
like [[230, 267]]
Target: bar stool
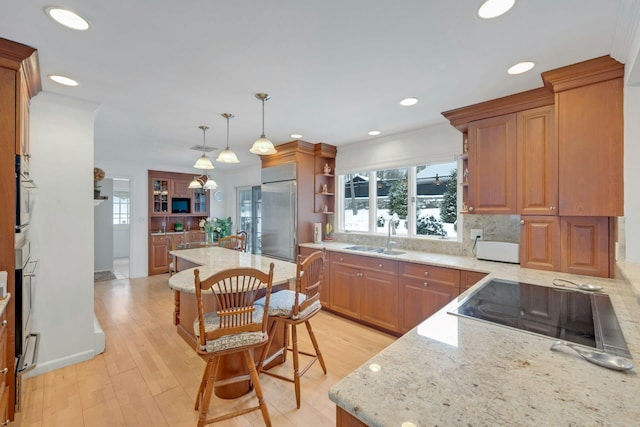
[[236, 327], [294, 308]]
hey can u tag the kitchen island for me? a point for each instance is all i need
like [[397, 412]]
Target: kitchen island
[[211, 260], [452, 370]]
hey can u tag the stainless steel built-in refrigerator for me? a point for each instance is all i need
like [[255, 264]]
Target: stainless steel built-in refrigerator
[[279, 223]]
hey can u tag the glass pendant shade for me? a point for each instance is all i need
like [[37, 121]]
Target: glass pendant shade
[[262, 145], [195, 183], [203, 163], [226, 155], [210, 184]]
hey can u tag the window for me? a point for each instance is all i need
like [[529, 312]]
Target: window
[[433, 188], [120, 207]]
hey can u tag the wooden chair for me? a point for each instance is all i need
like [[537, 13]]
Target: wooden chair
[[171, 246], [294, 308], [237, 327], [237, 242]]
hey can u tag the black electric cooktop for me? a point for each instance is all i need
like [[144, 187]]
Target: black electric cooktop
[[585, 318]]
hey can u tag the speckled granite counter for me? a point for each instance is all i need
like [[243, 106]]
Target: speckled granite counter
[[455, 371], [216, 259]]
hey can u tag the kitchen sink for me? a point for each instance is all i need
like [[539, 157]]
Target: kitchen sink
[[374, 249]]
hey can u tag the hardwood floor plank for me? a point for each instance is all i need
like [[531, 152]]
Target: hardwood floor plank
[[149, 376]]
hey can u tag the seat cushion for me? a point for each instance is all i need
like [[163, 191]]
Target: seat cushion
[[212, 322], [281, 304]]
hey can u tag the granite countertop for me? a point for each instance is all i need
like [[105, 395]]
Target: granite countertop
[[215, 259], [456, 371]]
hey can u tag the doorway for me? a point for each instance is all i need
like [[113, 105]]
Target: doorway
[[249, 213], [121, 227]]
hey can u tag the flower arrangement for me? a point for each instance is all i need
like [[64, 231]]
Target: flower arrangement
[[98, 175], [216, 227]]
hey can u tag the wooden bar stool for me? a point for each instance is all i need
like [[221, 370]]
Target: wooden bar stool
[[294, 308], [236, 242], [236, 327]]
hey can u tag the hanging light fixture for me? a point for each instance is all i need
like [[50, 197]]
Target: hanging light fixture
[[203, 181], [226, 155], [262, 145], [203, 162]]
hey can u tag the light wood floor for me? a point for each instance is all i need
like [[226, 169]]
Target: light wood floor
[[149, 376]]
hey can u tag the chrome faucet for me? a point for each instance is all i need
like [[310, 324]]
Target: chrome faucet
[[392, 228]]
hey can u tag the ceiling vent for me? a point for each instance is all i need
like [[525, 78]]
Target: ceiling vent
[[202, 148]]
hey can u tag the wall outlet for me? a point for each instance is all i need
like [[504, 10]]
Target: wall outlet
[[476, 233]]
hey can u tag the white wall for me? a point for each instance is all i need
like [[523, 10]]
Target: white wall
[[103, 229], [61, 231]]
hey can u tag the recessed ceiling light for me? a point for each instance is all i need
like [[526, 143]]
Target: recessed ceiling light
[[520, 67], [493, 8], [407, 102], [374, 132], [296, 136], [67, 18], [63, 80]]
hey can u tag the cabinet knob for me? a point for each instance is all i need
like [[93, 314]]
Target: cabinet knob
[[522, 222], [552, 208], [426, 273], [470, 208], [379, 265], [425, 284], [4, 371], [341, 259], [4, 322], [5, 423]]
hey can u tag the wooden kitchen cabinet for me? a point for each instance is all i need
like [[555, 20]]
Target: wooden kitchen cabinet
[[469, 278], [6, 361], [424, 290], [586, 244], [537, 168], [325, 288], [492, 165], [365, 288], [180, 188], [589, 115], [158, 255], [540, 242]]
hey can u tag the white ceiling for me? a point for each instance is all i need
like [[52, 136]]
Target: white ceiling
[[335, 69]]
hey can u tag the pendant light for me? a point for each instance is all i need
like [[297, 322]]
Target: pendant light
[[203, 181], [203, 162], [226, 155], [262, 145]]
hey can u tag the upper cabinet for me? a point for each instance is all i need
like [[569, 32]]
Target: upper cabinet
[[589, 112]]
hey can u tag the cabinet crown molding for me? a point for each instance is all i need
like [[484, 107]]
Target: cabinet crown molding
[[18, 56], [582, 74]]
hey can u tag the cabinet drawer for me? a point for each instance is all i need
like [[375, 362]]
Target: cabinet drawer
[[444, 275], [159, 240], [366, 262]]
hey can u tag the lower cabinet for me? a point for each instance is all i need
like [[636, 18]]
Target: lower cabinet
[[424, 290], [365, 288], [6, 357], [469, 278], [159, 255]]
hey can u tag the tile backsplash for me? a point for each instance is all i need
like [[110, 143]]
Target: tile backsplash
[[503, 228]]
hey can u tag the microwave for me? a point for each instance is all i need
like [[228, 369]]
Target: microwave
[[24, 187]]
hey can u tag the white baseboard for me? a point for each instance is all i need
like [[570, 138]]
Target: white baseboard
[[98, 337]]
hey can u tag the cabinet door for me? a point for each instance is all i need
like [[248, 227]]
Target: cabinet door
[[421, 298], [590, 140], [159, 262], [200, 201], [492, 165], [180, 188], [379, 299], [537, 151], [540, 242], [159, 195], [345, 290], [469, 278], [325, 288], [585, 243]]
